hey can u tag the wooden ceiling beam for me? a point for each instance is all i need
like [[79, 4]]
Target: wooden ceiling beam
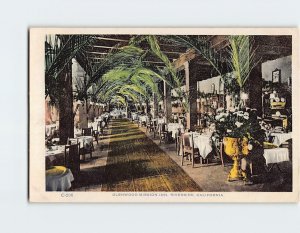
[[98, 60], [219, 42], [111, 39]]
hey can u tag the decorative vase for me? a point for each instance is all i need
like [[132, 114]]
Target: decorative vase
[[235, 148]]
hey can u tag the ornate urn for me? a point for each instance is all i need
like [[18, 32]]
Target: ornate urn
[[236, 148]]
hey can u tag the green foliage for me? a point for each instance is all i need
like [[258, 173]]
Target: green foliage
[[241, 58], [231, 85], [59, 51], [200, 45]]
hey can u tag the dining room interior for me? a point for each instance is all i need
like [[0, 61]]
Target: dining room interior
[[168, 113]]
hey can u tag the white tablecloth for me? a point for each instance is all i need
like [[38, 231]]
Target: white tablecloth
[[173, 127], [203, 143], [59, 182], [280, 138], [55, 150], [134, 116], [99, 120], [84, 141], [93, 124], [143, 118], [161, 120], [49, 129], [276, 155], [102, 117], [55, 156]]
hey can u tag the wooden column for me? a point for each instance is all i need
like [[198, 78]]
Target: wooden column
[[255, 90], [66, 115], [167, 102], [191, 89], [155, 106]]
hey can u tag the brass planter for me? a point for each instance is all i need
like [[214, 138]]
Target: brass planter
[[236, 148]]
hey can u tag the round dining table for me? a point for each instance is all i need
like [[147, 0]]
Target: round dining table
[[58, 178]]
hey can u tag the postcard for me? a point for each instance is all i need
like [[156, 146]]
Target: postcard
[[163, 115]]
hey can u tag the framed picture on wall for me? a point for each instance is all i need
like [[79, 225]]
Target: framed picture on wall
[[276, 76]]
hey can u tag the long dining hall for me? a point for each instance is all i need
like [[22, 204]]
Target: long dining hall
[[168, 113]]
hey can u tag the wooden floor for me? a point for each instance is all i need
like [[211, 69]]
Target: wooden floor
[[135, 163]]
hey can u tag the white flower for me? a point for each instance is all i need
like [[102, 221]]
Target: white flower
[[223, 114], [250, 146], [229, 131], [240, 113], [246, 117], [238, 124], [218, 117], [220, 109], [222, 120], [246, 114]]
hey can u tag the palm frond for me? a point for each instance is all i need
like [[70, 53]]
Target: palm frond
[[242, 57]]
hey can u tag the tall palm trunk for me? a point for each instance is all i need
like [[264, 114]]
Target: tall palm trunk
[[66, 117]]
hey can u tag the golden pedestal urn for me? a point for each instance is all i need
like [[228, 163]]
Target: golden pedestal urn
[[236, 148]]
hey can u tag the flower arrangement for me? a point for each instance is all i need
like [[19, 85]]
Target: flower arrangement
[[239, 123]]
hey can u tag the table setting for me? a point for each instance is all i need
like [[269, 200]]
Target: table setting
[[276, 155], [203, 143], [174, 127], [55, 155], [279, 138], [58, 178]]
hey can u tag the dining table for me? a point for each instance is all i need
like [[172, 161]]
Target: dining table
[[134, 116], [161, 120], [58, 178], [173, 128], [55, 155], [276, 155], [203, 142], [279, 138], [85, 142], [49, 129], [143, 118]]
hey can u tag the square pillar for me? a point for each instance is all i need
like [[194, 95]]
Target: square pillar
[[155, 106], [191, 89], [255, 90], [167, 102]]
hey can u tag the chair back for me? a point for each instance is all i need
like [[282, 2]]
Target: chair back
[[99, 126], [87, 131], [188, 140], [162, 127], [72, 158]]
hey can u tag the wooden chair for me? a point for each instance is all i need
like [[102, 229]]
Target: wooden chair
[[100, 128], [188, 149], [72, 158], [150, 126], [178, 141], [155, 128], [96, 135], [90, 132], [162, 132], [87, 131]]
